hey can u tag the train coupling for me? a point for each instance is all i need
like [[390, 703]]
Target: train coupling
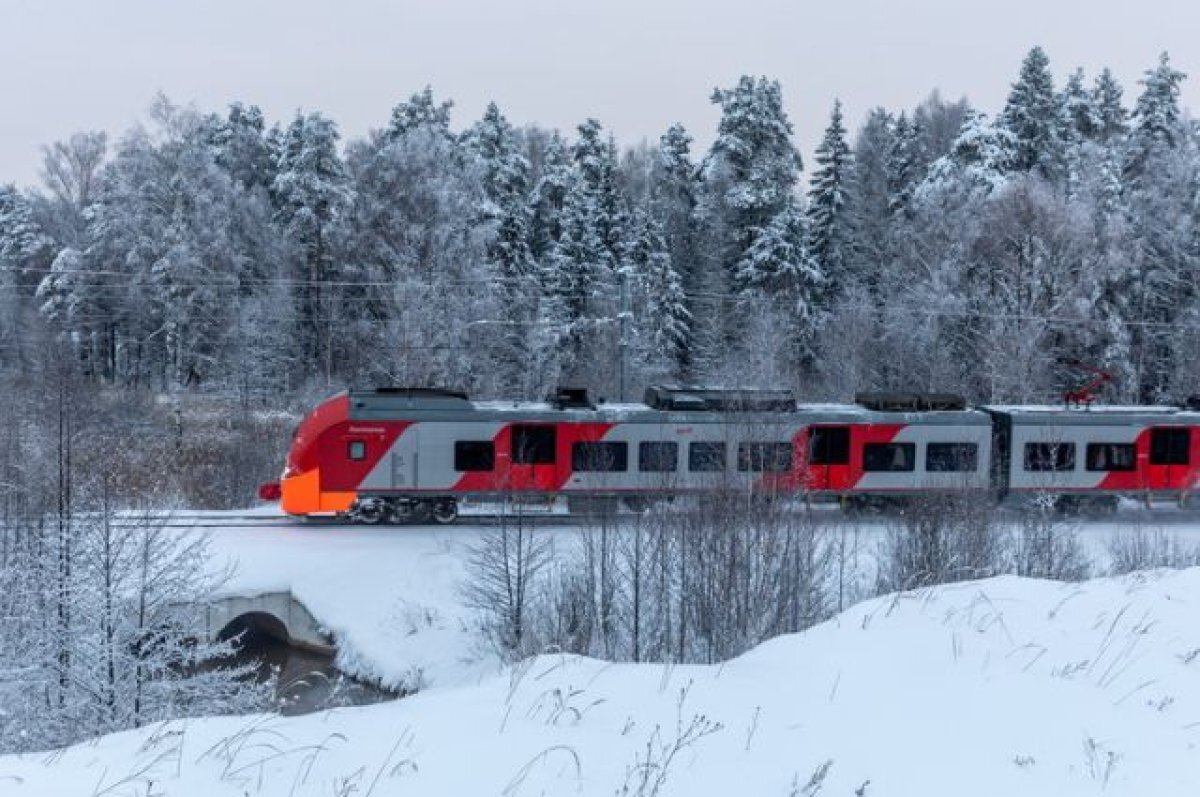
[[270, 491]]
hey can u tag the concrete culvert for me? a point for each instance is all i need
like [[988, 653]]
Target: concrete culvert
[[254, 630]]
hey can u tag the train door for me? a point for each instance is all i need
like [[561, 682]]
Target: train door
[[404, 462], [533, 457], [828, 457], [1170, 457]]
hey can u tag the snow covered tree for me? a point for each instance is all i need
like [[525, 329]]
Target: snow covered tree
[[311, 192], [979, 162], [1110, 113], [873, 200], [1034, 117], [243, 148], [585, 269], [505, 183], [1156, 117], [673, 197], [665, 315], [1079, 105], [71, 171], [750, 176], [549, 197], [420, 111], [831, 233], [904, 164], [751, 171]]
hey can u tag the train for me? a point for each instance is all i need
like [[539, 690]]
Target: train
[[405, 454]]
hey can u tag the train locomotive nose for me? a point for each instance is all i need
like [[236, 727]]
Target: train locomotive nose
[[270, 491]]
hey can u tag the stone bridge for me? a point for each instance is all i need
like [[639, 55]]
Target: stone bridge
[[275, 614]]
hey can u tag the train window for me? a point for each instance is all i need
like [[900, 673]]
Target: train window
[[356, 450], [765, 457], [1111, 456], [830, 445], [706, 457], [602, 456], [658, 456], [533, 445], [889, 456], [1169, 446], [474, 455], [951, 457], [1049, 456]]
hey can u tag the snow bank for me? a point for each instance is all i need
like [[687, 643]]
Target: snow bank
[[999, 687]]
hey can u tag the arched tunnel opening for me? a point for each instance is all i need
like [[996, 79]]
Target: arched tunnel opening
[[254, 629]]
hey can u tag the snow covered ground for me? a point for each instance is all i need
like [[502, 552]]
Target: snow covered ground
[[391, 595], [997, 687]]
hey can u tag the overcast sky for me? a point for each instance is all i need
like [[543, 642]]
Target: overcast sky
[[69, 65]]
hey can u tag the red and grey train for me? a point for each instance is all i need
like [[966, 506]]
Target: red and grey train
[[397, 453]]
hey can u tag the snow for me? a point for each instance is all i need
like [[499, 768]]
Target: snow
[[998, 687], [389, 595]]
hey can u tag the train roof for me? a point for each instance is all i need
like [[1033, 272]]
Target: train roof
[[1101, 415], [715, 405], [448, 405]]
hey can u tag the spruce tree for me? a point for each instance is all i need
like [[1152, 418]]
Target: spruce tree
[[903, 164], [505, 177], [1110, 113], [749, 184], [1033, 114], [1157, 115], [549, 198], [665, 315], [1083, 118], [829, 214], [673, 196]]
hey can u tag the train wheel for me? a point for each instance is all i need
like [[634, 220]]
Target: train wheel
[[445, 511], [369, 511]]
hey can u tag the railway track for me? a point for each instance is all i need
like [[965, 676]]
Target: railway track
[[1165, 516]]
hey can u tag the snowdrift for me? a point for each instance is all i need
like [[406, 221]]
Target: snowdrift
[[999, 687]]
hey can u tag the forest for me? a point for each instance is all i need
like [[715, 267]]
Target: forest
[[936, 248]]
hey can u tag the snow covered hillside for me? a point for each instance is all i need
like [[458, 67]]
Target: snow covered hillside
[[998, 687]]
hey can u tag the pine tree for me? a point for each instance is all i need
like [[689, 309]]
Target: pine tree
[[829, 214], [242, 147], [666, 315], [752, 169], [979, 162], [674, 187], [903, 164], [586, 262], [1033, 115], [749, 182], [549, 197], [421, 111], [1111, 114], [779, 261], [673, 197], [1084, 121], [1157, 115], [505, 176], [25, 247], [311, 193], [505, 210]]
